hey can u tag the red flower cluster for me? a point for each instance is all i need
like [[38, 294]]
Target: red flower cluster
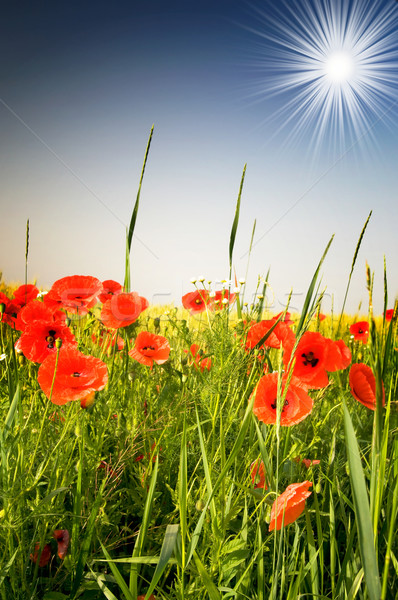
[[62, 538], [198, 361], [199, 300]]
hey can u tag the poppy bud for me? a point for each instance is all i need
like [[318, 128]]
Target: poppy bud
[[21, 359], [156, 323], [200, 505], [88, 402], [58, 343], [68, 321], [2, 307]]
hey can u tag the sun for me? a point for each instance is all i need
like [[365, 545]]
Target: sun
[[340, 67], [331, 67]]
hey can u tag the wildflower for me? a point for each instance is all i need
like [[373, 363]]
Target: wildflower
[[297, 403], [389, 314], [38, 311], [109, 289], [76, 377], [360, 331], [289, 505], [257, 469], [142, 597], [75, 293], [62, 537], [363, 385], [315, 355], [38, 339], [24, 294], [196, 302], [150, 348], [198, 361], [44, 556], [9, 310], [280, 336], [122, 310], [306, 461], [287, 320]]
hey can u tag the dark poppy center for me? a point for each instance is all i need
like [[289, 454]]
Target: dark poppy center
[[361, 331], [149, 348], [309, 359], [198, 301], [51, 338], [76, 374], [275, 404]]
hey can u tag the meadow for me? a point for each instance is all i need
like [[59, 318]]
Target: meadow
[[209, 450]]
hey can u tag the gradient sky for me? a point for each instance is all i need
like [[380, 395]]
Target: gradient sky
[[81, 86]]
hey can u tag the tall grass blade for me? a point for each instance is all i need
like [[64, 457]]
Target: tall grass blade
[[10, 415], [235, 223], [117, 575], [143, 529], [212, 591], [310, 292], [354, 260], [169, 543], [134, 217], [362, 511]]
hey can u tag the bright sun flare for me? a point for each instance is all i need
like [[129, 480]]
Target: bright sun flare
[[333, 64], [339, 67]]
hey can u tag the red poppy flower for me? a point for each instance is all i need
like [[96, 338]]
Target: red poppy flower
[[360, 331], [257, 469], [45, 555], [77, 375], [38, 311], [280, 336], [142, 597], [197, 301], [297, 406], [315, 355], [150, 348], [38, 339], [76, 293], [363, 385], [287, 320], [122, 310], [110, 288], [10, 310], [307, 462], [289, 505], [198, 362], [221, 299], [338, 356], [389, 314], [62, 537], [24, 294]]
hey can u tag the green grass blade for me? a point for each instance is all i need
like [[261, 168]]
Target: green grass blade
[[169, 542], [354, 260], [143, 529], [10, 415], [212, 591], [134, 217], [182, 492], [310, 292], [235, 223], [362, 511], [100, 581], [117, 575]]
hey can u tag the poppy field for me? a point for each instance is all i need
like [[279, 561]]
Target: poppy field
[[212, 449]]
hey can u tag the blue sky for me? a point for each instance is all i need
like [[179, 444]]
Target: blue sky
[[81, 87]]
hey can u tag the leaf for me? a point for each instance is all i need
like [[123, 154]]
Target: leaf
[[362, 511]]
